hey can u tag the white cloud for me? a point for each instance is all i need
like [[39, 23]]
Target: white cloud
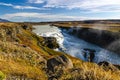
[[90, 5], [22, 7], [40, 17], [36, 1], [37, 17], [32, 16]]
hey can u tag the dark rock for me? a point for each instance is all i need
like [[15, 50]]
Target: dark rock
[[89, 54], [102, 38], [25, 27], [108, 66], [57, 62], [115, 46], [50, 42], [104, 63], [118, 66]]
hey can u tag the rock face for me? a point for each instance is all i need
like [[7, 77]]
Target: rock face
[[115, 46], [59, 62], [89, 54], [9, 31], [50, 42], [57, 65], [101, 38]]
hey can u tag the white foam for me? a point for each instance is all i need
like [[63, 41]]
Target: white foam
[[48, 31]]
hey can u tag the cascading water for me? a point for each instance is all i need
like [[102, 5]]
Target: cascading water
[[75, 46]]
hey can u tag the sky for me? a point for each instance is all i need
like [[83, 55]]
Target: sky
[[58, 10]]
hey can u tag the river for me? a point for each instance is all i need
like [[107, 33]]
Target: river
[[75, 46]]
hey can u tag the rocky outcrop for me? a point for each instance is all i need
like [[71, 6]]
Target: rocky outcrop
[[50, 42], [9, 31], [57, 65], [89, 54], [59, 61]]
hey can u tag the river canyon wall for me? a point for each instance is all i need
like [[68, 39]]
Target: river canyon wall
[[103, 38]]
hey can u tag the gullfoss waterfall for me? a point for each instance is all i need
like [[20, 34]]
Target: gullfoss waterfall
[[75, 46]]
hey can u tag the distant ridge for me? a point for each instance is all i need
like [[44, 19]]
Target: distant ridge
[[4, 20]]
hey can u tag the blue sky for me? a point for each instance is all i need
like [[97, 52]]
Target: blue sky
[[59, 10]]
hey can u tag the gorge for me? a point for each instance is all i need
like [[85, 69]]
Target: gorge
[[74, 45]]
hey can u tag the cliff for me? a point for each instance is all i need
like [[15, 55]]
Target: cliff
[[103, 38], [26, 56]]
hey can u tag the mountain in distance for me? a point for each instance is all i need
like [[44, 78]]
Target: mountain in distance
[[4, 20]]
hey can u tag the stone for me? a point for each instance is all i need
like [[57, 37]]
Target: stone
[[50, 42], [89, 54], [57, 62]]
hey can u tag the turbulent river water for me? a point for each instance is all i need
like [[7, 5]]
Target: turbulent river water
[[75, 46]]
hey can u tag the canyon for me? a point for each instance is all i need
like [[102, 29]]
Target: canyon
[[43, 52]]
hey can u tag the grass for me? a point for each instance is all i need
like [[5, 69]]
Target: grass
[[89, 71], [2, 76], [17, 60], [33, 41], [15, 68]]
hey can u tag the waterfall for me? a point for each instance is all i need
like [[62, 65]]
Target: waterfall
[[75, 46]]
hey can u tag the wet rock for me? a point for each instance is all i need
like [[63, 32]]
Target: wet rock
[[58, 62], [89, 54]]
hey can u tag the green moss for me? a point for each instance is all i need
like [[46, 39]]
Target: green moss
[[2, 76], [52, 52]]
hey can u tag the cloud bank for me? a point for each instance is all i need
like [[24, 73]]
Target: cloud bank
[[38, 17], [25, 16], [21, 7], [90, 5]]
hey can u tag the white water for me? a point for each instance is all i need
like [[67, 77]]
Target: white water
[[74, 46]]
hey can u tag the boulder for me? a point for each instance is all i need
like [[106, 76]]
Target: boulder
[[50, 42], [62, 62]]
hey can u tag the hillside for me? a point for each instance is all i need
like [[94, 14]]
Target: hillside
[[26, 56]]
